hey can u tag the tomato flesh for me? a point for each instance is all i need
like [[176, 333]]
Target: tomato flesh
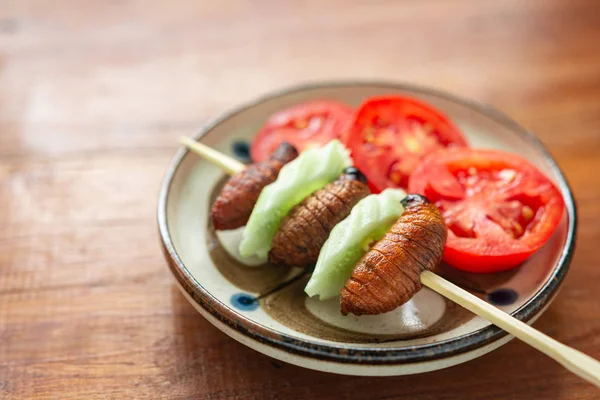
[[498, 208], [305, 125], [391, 135]]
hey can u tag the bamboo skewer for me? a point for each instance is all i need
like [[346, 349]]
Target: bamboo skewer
[[575, 361], [227, 164]]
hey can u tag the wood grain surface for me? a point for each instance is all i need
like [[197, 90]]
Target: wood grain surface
[[93, 95]]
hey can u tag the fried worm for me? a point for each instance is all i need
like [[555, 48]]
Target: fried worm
[[305, 229], [387, 276], [234, 205]]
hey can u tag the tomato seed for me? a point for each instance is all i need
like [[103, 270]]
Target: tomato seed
[[519, 229], [396, 177], [527, 213], [300, 124], [507, 175], [412, 144]]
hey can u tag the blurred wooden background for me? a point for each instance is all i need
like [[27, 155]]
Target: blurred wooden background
[[93, 95]]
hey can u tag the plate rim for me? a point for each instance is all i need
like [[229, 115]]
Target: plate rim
[[367, 355]]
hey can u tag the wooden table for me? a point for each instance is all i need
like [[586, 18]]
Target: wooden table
[[92, 98]]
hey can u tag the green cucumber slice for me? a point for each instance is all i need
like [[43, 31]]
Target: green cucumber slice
[[310, 171]]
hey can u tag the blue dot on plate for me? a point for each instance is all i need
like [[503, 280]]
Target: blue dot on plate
[[502, 297], [244, 302], [241, 151]]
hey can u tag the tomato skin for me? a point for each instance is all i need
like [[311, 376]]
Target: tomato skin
[[304, 125], [481, 263], [498, 207], [391, 134]]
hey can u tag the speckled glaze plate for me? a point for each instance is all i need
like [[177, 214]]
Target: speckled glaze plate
[[265, 308]]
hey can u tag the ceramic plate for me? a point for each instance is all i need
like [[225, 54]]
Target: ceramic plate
[[265, 307]]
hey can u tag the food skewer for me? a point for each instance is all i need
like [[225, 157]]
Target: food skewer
[[227, 164], [573, 360]]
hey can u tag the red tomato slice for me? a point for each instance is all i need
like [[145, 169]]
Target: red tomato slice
[[305, 125], [390, 136], [499, 208]]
